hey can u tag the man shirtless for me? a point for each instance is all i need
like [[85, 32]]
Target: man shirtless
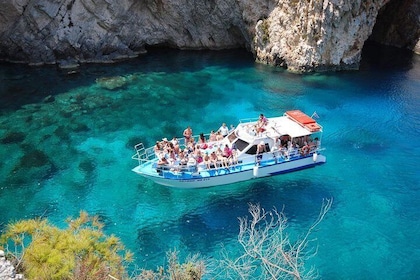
[[187, 135], [260, 150]]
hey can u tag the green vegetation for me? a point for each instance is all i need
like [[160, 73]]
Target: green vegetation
[[39, 250], [192, 269], [81, 251], [266, 32]]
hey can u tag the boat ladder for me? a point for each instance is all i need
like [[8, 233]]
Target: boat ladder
[[142, 154]]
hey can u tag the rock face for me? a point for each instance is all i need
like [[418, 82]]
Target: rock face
[[302, 35], [7, 270], [316, 35]]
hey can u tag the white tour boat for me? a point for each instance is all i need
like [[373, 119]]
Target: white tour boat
[[258, 148]]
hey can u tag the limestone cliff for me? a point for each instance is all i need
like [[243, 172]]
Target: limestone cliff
[[302, 35]]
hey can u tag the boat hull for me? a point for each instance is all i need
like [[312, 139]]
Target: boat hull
[[205, 179]]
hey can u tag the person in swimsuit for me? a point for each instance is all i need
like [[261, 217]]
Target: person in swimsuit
[[187, 135]]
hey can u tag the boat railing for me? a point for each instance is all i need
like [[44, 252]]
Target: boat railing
[[143, 154], [248, 120]]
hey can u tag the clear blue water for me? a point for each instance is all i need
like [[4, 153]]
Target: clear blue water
[[72, 151]]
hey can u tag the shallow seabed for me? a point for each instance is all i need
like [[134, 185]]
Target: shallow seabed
[[66, 144]]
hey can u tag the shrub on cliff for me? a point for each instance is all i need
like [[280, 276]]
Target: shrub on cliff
[[81, 251]]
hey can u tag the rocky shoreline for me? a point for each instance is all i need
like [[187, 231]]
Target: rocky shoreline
[[7, 270], [302, 36]]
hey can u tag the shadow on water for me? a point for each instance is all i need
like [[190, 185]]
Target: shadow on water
[[217, 220], [384, 58]]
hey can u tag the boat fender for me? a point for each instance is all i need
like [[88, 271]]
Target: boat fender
[[315, 157], [255, 171]]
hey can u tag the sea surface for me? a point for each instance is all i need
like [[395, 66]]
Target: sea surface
[[66, 143]]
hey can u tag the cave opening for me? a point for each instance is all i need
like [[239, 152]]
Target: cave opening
[[394, 37], [398, 24]]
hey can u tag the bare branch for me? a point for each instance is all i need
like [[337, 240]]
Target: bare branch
[[267, 250]]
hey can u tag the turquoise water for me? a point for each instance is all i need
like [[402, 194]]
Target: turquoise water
[[66, 144]]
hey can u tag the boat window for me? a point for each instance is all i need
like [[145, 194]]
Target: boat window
[[253, 149], [241, 144]]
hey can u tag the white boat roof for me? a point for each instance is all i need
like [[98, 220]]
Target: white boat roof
[[284, 125], [279, 126]]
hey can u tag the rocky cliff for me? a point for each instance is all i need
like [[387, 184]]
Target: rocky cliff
[[302, 35]]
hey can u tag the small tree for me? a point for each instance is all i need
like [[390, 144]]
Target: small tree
[[268, 252], [81, 251], [192, 269]]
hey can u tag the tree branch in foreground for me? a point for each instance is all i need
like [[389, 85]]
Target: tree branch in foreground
[[267, 251]]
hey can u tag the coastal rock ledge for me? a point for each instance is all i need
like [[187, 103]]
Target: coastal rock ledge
[[300, 35], [7, 270]]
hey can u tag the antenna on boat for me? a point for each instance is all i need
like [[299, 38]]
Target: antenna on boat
[[314, 115]]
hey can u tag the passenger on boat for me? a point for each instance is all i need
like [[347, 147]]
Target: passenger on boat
[[260, 150], [222, 160], [261, 123], [213, 159], [213, 136], [190, 147], [224, 130], [187, 134], [157, 148], [182, 158], [227, 151], [219, 136], [207, 160], [284, 139], [284, 152], [199, 157], [202, 142], [163, 161], [276, 144], [233, 159], [175, 141], [317, 142], [305, 149]]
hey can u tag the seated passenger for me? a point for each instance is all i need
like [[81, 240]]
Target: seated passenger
[[261, 123], [234, 156], [305, 149], [175, 141], [221, 159], [163, 161], [213, 136], [226, 151], [213, 159], [157, 148], [202, 139], [206, 160]]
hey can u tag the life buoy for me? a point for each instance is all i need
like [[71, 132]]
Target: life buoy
[[305, 150]]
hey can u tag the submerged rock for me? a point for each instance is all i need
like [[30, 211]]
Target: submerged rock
[[112, 83], [13, 137], [34, 158]]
